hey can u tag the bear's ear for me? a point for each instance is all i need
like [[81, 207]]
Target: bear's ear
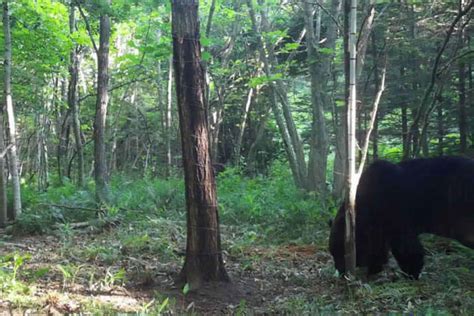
[[330, 223]]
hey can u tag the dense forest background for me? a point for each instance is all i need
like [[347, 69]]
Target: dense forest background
[[92, 150]]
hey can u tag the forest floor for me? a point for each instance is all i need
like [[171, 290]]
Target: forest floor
[[127, 270]]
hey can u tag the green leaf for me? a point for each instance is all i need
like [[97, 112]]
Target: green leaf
[[206, 56], [186, 289], [205, 41], [163, 305], [326, 51]]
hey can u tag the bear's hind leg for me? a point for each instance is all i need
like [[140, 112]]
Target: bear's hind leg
[[378, 255], [409, 253]]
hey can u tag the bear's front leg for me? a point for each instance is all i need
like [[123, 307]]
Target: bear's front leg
[[409, 253]]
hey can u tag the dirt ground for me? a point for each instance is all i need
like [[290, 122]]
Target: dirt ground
[[261, 280], [284, 279]]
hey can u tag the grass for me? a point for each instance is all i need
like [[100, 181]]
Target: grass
[[275, 242]]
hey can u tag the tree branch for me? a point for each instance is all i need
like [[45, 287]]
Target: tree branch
[[4, 152], [328, 13], [373, 117], [88, 27], [117, 87]]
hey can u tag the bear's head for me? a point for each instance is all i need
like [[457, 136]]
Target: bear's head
[[336, 242]]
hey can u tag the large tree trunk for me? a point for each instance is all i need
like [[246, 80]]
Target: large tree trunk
[[72, 101], [100, 165], [11, 131], [204, 260]]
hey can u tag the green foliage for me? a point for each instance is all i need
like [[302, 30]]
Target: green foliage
[[10, 265], [42, 210], [277, 208], [69, 273], [256, 81]]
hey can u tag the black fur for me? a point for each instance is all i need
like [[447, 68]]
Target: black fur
[[397, 202]]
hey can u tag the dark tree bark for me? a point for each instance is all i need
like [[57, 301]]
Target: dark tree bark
[[100, 165], [204, 260]]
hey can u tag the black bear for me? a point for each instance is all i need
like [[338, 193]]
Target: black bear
[[397, 202]]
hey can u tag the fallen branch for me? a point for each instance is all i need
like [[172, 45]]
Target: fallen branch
[[70, 207], [10, 244]]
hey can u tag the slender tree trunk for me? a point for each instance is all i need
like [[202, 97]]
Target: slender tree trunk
[[375, 139], [207, 33], [363, 41], [470, 95], [61, 128], [11, 131], [462, 115], [340, 159], [100, 165], [42, 152], [203, 260], [169, 118], [259, 135], [404, 127], [319, 74], [352, 178], [115, 130], [440, 130], [421, 116], [217, 109], [72, 100], [341, 131], [3, 177], [63, 145], [280, 89], [216, 119], [375, 131], [297, 169], [242, 124]]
